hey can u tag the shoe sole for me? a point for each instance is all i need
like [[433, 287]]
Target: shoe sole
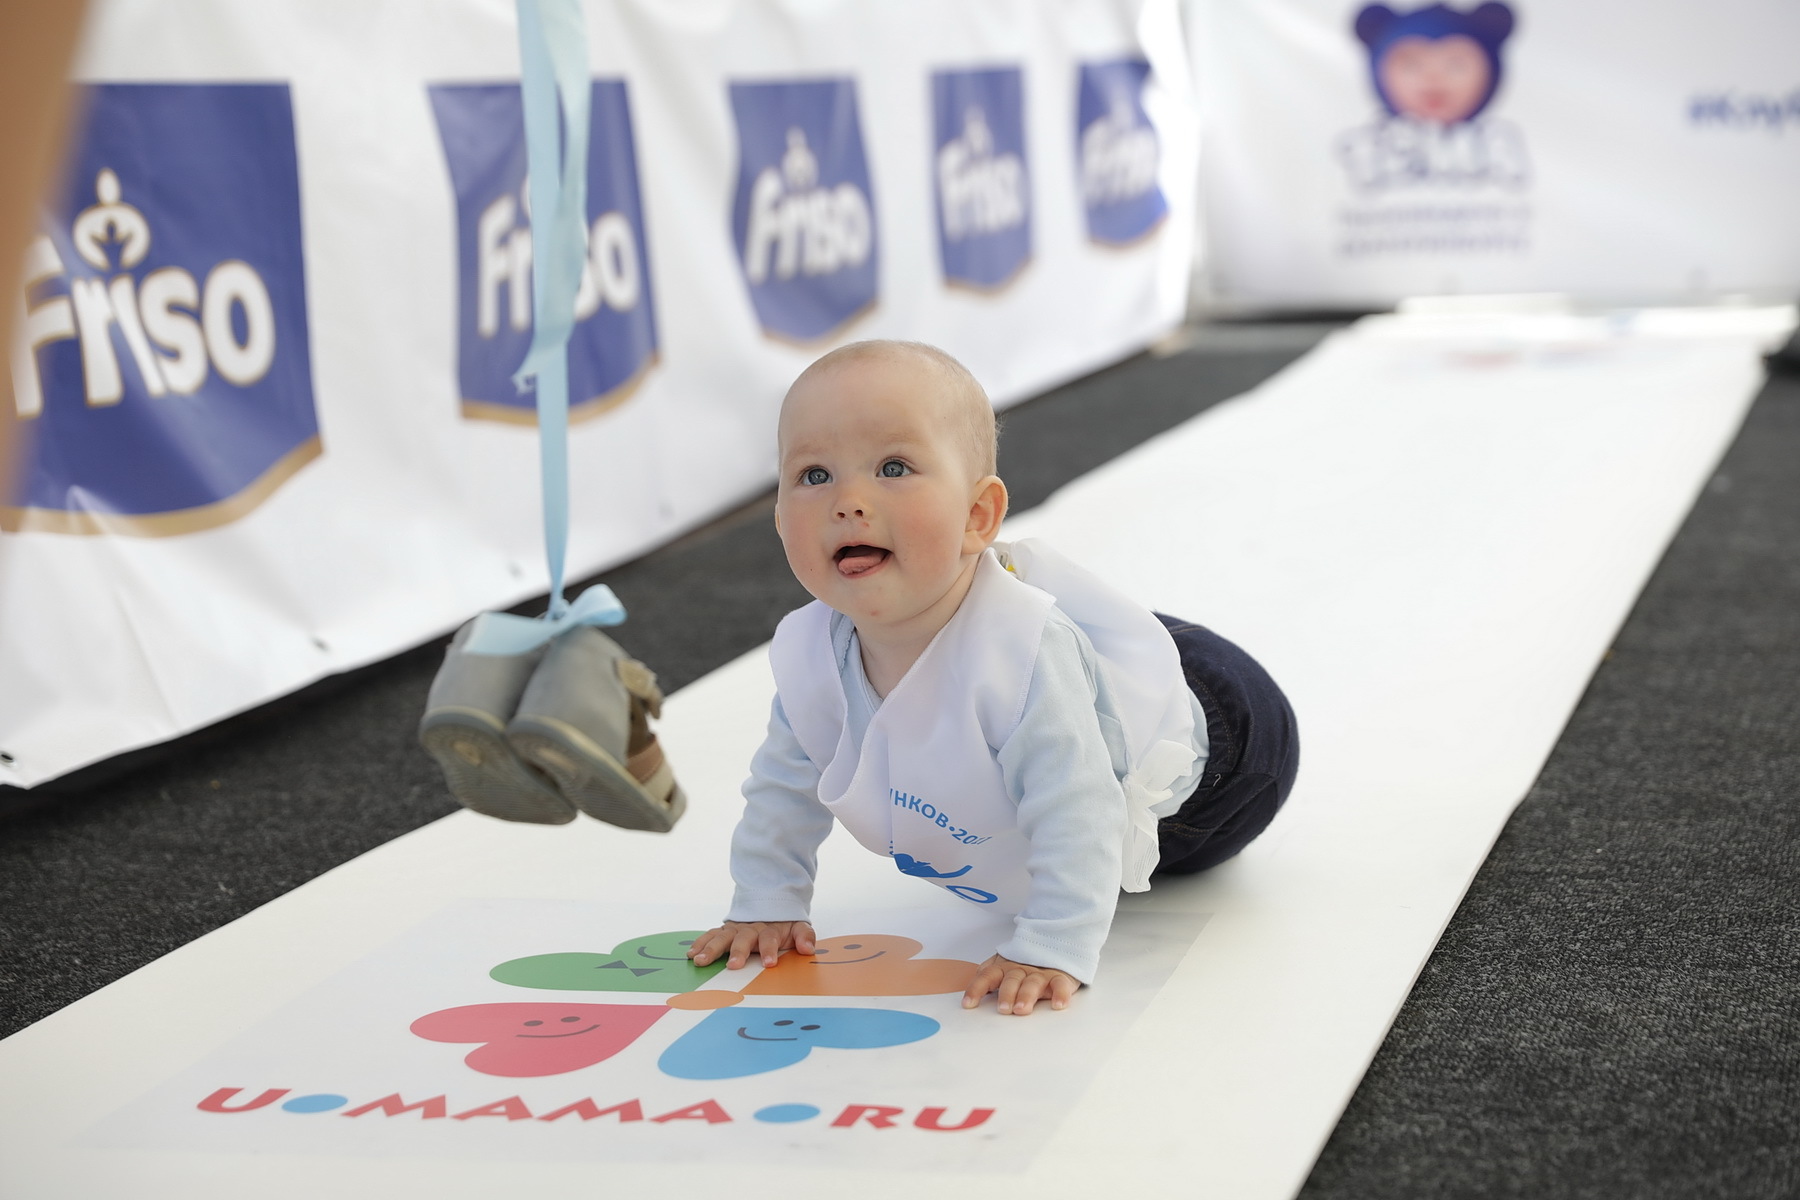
[[482, 771], [596, 782]]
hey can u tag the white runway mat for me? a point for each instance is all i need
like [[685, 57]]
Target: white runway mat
[[1428, 531]]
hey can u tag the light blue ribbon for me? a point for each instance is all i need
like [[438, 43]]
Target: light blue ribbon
[[553, 64]]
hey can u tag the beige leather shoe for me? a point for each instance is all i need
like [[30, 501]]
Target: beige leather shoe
[[584, 721], [464, 730]]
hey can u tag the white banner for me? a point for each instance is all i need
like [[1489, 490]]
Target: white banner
[[268, 332], [1356, 153]]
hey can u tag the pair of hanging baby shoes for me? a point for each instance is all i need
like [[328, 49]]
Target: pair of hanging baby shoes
[[559, 730]]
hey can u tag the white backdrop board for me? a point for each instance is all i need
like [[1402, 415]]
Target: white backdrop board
[[1356, 153], [270, 325], [1385, 525]]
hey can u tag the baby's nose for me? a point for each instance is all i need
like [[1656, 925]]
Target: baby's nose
[[850, 510]]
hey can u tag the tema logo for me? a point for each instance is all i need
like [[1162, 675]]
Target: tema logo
[[1434, 70], [1118, 153], [161, 370], [803, 217], [983, 187], [614, 341]]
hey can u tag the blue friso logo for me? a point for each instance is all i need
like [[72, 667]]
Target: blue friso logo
[[161, 372], [614, 341], [1118, 152], [1435, 71], [983, 188], [803, 217]]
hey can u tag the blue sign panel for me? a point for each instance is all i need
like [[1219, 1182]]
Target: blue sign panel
[[1118, 153], [983, 187], [164, 382], [614, 341], [803, 217]]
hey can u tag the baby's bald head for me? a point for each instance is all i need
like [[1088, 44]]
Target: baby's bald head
[[941, 378]]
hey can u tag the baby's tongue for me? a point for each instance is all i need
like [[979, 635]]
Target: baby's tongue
[[857, 559]]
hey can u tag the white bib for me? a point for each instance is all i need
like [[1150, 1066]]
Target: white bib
[[926, 787]]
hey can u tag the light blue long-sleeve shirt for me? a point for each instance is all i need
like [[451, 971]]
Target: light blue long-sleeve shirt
[[1061, 767]]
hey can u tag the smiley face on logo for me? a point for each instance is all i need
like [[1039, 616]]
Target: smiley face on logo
[[735, 1042], [538, 1037], [656, 962]]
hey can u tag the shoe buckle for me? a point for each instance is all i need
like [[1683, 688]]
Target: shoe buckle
[[640, 681]]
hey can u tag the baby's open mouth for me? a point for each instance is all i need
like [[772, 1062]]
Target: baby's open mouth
[[859, 559]]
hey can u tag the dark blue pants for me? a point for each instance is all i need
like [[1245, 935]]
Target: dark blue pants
[[1255, 752]]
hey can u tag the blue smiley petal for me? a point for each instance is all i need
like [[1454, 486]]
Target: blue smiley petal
[[735, 1042], [863, 1028]]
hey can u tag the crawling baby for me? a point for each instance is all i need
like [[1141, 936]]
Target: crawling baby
[[996, 719]]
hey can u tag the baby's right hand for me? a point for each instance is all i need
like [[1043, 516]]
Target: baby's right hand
[[767, 938]]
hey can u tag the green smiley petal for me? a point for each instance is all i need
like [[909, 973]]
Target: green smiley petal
[[654, 963]]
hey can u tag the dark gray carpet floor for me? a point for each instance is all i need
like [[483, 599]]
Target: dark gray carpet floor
[[1612, 1013]]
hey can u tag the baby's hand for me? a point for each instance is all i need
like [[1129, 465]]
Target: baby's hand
[[742, 938], [1020, 985]]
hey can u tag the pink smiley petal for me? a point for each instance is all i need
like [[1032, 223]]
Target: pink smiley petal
[[531, 1038]]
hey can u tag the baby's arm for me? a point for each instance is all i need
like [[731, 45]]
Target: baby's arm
[[1060, 770], [774, 855]]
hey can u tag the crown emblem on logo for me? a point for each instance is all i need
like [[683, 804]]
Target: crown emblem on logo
[[799, 166], [976, 134], [110, 221], [1123, 112]]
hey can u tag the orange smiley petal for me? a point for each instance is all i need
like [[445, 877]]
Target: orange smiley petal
[[702, 1001]]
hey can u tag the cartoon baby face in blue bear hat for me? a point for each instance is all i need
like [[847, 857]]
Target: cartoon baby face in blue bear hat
[[1435, 64]]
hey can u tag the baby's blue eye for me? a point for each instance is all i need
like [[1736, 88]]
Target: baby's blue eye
[[893, 468], [814, 476]]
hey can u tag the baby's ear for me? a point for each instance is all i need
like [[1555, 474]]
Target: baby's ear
[[985, 515]]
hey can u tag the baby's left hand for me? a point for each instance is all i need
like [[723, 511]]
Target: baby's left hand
[[1020, 985]]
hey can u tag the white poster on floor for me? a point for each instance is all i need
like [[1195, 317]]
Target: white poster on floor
[[1357, 153], [555, 1030], [272, 314]]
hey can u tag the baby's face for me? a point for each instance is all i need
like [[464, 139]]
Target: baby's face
[[876, 488], [1442, 79]]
